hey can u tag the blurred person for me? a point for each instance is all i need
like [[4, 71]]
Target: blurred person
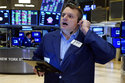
[[28, 41]]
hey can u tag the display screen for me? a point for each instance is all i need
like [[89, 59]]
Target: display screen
[[15, 41], [24, 17], [37, 40], [84, 17], [49, 19], [115, 32], [123, 45], [122, 29], [36, 34], [116, 42], [52, 5], [21, 34], [4, 17], [98, 30]]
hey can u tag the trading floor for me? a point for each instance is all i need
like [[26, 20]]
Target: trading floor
[[108, 73]]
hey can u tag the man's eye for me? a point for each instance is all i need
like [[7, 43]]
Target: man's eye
[[63, 15], [70, 16]]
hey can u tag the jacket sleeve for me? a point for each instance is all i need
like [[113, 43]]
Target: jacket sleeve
[[38, 54], [102, 51]]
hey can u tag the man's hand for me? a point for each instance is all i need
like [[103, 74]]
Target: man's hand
[[37, 72], [84, 26]]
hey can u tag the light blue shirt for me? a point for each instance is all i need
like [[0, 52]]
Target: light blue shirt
[[65, 44]]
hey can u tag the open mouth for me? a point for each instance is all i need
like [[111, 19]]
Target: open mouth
[[64, 23]]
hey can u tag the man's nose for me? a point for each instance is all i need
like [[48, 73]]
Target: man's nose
[[65, 17]]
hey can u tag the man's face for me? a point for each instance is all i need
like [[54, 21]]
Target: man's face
[[69, 19], [29, 36]]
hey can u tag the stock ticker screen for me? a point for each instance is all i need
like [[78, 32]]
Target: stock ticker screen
[[24, 17], [52, 5], [4, 17], [49, 19]]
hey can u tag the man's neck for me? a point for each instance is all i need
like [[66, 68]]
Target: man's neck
[[68, 34]]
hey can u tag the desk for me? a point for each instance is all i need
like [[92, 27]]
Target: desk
[[11, 60]]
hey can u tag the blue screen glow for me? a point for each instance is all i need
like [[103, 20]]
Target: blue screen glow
[[123, 45], [36, 34], [4, 17], [115, 32], [116, 42]]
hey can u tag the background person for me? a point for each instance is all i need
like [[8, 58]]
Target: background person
[[28, 41]]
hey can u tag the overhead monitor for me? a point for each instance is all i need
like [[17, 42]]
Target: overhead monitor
[[98, 30], [115, 32], [122, 45], [49, 19], [116, 42], [4, 17], [24, 17], [52, 5], [123, 29]]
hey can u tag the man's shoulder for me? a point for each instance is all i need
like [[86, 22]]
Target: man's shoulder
[[53, 33]]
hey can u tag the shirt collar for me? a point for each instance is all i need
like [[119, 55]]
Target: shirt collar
[[74, 35]]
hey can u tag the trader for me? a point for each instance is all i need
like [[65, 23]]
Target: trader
[[27, 41], [74, 49]]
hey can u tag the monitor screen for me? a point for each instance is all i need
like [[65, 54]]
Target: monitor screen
[[122, 45], [21, 34], [36, 34], [37, 40], [49, 19], [115, 32], [98, 30], [15, 41], [4, 17], [24, 17], [116, 42], [123, 29], [84, 17], [52, 5]]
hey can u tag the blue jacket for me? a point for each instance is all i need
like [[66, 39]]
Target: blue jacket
[[78, 65], [27, 42]]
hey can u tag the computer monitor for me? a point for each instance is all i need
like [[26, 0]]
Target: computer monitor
[[37, 40], [123, 29], [52, 5], [98, 30], [36, 34], [15, 41], [115, 32], [24, 17], [4, 17], [84, 17], [49, 19], [122, 45], [21, 34], [116, 42]]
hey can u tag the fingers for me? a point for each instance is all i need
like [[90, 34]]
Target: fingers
[[84, 26], [38, 73]]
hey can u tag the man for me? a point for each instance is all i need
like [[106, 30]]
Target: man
[[73, 50], [27, 41]]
